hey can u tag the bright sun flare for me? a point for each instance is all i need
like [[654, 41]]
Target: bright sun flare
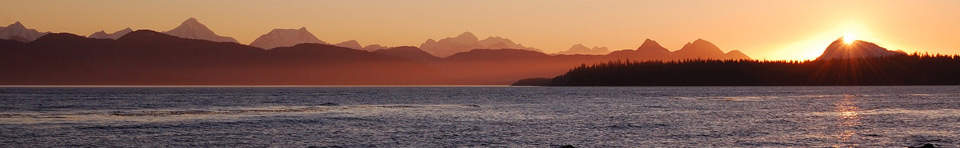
[[849, 38]]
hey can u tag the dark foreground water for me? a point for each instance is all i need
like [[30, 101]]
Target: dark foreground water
[[897, 116]]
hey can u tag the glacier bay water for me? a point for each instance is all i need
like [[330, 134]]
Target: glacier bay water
[[832, 116]]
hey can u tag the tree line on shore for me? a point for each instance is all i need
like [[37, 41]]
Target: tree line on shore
[[901, 69]]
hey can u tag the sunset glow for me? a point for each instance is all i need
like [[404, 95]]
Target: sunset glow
[[761, 29], [848, 38], [481, 73]]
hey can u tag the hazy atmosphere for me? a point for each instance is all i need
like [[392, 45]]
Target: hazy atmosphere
[[489, 73], [761, 29]]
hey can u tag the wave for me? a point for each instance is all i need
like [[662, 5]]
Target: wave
[[741, 98], [186, 114], [911, 112]]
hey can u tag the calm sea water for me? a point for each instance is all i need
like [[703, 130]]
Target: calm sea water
[[888, 116]]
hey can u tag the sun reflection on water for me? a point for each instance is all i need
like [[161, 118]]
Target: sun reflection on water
[[849, 119]]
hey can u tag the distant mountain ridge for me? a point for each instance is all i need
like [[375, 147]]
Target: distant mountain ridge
[[651, 49], [18, 32], [115, 35], [193, 29], [698, 49], [199, 59], [352, 44], [408, 52], [374, 47], [285, 38], [195, 61], [581, 49], [466, 42], [147, 57]]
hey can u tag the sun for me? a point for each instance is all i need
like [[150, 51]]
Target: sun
[[848, 38]]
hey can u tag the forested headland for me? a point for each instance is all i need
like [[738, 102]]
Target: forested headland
[[900, 69]]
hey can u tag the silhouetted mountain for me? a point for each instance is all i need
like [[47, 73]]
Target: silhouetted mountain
[[499, 54], [408, 52], [352, 44], [193, 29], [699, 49], [146, 57], [856, 49], [115, 35], [99, 35], [285, 38], [651, 46], [466, 42], [735, 54], [580, 49], [374, 47], [502, 43], [648, 50], [18, 32]]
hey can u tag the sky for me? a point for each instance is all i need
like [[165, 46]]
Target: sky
[[763, 29]]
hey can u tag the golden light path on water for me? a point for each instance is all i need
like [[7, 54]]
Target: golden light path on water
[[848, 120]]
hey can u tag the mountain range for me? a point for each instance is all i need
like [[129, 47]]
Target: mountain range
[[147, 57], [193, 29], [115, 35], [285, 38], [581, 49], [296, 56], [352, 44], [373, 47], [153, 58], [698, 49], [18, 32], [466, 42]]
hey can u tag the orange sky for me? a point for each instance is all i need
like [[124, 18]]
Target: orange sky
[[763, 29]]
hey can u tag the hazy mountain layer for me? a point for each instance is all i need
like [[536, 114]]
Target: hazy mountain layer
[[150, 58], [193, 29], [285, 38], [466, 42], [115, 35], [18, 32], [352, 44], [580, 49], [147, 57], [698, 49]]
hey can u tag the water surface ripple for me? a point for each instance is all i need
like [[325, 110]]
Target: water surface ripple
[[847, 116]]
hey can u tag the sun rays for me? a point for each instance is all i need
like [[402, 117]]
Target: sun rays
[[848, 38]]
